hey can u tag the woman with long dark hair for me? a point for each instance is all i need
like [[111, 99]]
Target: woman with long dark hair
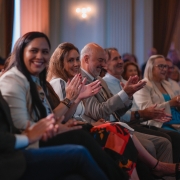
[[24, 87]]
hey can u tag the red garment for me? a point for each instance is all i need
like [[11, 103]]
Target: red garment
[[117, 142]]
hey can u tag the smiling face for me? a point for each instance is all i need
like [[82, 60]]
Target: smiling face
[[72, 63], [114, 65], [96, 60], [159, 69], [131, 71], [36, 56]]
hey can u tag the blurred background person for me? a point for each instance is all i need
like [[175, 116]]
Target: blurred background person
[[175, 75], [131, 69], [173, 55]]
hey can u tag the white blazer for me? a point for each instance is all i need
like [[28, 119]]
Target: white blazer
[[150, 95], [174, 86], [15, 90]]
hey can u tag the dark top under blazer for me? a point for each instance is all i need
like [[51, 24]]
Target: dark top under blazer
[[12, 162]]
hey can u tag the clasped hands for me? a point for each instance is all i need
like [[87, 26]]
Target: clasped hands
[[77, 89], [157, 114], [49, 127]]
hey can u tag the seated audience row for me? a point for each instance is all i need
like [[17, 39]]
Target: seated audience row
[[66, 66], [113, 79], [30, 98], [59, 162]]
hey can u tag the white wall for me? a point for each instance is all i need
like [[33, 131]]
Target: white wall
[[143, 29], [81, 31], [124, 24], [119, 25]]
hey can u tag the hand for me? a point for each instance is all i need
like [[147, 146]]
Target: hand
[[42, 129], [89, 90], [175, 102], [99, 122], [135, 79], [156, 114], [70, 125], [133, 85], [73, 87]]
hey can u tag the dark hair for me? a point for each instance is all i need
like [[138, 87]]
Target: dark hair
[[16, 59], [167, 59], [126, 66], [56, 63], [2, 61], [108, 51]]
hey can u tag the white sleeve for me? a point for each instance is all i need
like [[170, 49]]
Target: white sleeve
[[16, 91], [59, 87]]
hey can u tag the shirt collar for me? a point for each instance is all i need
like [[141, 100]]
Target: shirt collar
[[90, 76], [110, 77], [35, 79]]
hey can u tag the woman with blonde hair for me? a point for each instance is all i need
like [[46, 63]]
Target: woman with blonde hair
[[158, 91]]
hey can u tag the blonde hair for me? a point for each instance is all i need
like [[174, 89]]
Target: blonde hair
[[149, 66], [56, 63]]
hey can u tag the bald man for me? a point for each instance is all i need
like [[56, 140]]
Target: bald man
[[104, 104]]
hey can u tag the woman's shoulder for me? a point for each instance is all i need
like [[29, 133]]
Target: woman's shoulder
[[57, 81], [13, 77], [148, 82], [14, 73]]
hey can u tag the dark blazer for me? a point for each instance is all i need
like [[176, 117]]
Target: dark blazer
[[12, 162], [97, 107]]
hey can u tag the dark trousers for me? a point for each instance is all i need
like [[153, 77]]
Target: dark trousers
[[83, 138], [60, 162]]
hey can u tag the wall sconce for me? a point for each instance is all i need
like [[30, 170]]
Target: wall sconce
[[83, 11]]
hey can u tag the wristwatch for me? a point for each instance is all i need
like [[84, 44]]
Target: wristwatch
[[67, 102], [137, 115]]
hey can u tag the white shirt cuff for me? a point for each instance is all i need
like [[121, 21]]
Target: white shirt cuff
[[21, 141], [124, 97]]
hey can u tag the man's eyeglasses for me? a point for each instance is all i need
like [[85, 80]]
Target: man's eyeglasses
[[162, 66]]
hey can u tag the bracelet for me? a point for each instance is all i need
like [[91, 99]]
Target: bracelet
[[67, 102]]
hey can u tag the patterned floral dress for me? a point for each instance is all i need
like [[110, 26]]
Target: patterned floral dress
[[117, 142]]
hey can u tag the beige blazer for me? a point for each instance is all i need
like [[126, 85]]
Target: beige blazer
[[175, 86], [151, 95], [96, 107], [15, 90]]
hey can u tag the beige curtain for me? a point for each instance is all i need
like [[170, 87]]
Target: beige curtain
[[35, 16]]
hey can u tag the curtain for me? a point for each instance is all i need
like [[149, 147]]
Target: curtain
[[176, 42], [165, 17], [6, 24], [35, 16]]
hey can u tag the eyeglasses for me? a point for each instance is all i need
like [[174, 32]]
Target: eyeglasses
[[162, 66]]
